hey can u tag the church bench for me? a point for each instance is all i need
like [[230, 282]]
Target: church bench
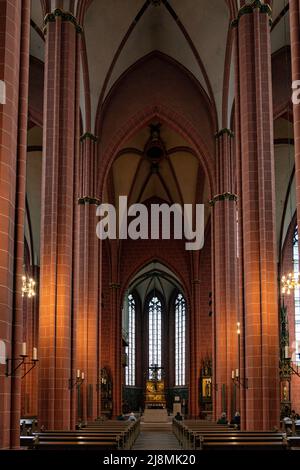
[[26, 441], [181, 429], [70, 441], [243, 443], [78, 435], [294, 442], [83, 445], [194, 437], [132, 427]]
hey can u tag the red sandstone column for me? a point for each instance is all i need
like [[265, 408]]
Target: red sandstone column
[[295, 54], [225, 312], [14, 64], [240, 263], [61, 134], [194, 346], [30, 328], [116, 329], [116, 339], [87, 348], [256, 188]]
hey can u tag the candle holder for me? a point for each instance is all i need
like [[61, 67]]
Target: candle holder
[[78, 381], [237, 380], [11, 369]]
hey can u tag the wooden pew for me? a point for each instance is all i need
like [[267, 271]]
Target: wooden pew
[[193, 434], [294, 442], [51, 441], [183, 429], [110, 435], [243, 442]]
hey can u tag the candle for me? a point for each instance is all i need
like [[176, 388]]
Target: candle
[[82, 375], [236, 372], [34, 354], [286, 352], [78, 374], [24, 349], [232, 374]]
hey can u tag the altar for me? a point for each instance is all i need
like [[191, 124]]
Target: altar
[[155, 394], [155, 398]]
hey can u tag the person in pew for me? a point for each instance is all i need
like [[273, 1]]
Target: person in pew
[[178, 416], [132, 417], [222, 419], [236, 421], [23, 429]]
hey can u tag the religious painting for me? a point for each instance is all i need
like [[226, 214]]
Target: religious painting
[[206, 388]]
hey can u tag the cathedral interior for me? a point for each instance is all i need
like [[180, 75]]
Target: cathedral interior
[[166, 102]]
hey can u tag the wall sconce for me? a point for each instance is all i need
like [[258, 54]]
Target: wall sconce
[[28, 287], [238, 328], [10, 370], [78, 381], [236, 379]]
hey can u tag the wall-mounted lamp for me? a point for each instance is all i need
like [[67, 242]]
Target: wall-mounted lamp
[[78, 381], [238, 328], [10, 369], [236, 379]]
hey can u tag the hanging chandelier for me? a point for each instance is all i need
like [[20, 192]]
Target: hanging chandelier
[[28, 287]]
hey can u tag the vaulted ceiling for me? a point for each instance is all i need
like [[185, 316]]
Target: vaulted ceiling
[[177, 177], [196, 33]]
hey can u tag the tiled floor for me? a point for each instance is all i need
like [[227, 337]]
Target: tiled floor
[[158, 438]]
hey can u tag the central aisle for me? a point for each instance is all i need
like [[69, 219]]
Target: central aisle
[[156, 436]]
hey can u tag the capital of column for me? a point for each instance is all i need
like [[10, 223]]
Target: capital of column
[[224, 131], [88, 135], [65, 16], [89, 200], [223, 197], [249, 8]]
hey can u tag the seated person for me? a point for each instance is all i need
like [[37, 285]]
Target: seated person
[[223, 419], [132, 417], [178, 416], [236, 420]]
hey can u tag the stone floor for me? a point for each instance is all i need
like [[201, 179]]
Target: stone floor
[[157, 436]]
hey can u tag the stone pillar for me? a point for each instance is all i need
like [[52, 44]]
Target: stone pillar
[[194, 344], [116, 350], [60, 145], [295, 55], [255, 168], [224, 252], [30, 336], [14, 69], [87, 344]]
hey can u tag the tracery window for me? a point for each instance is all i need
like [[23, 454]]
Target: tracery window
[[130, 349], [154, 309], [180, 338]]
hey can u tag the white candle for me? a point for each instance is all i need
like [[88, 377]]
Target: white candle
[[236, 372], [82, 375], [78, 374], [286, 352], [34, 354], [24, 349], [232, 374]]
